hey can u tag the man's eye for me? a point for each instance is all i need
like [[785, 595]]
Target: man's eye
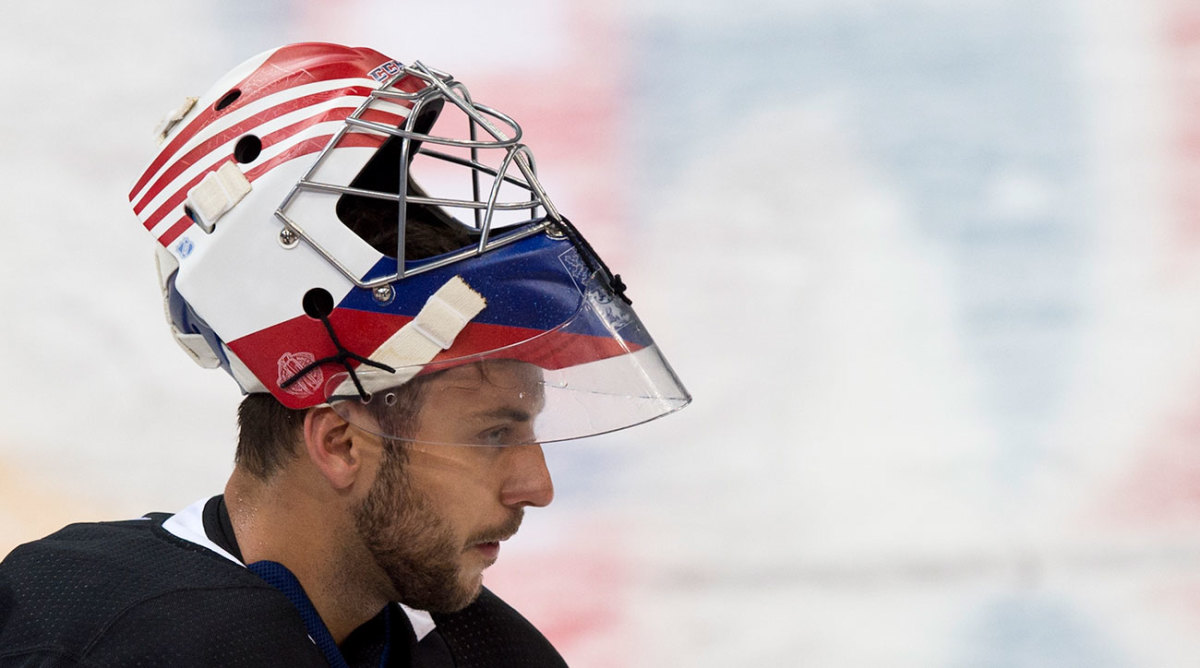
[[497, 436]]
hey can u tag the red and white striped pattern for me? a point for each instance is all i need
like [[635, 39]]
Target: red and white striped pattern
[[293, 119]]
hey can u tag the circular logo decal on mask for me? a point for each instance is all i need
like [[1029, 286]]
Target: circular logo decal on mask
[[291, 364]]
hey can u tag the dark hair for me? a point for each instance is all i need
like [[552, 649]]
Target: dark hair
[[268, 431]]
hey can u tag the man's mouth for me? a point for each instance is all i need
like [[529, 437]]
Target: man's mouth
[[487, 543], [490, 550]]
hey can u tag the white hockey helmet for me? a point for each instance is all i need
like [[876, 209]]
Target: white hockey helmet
[[285, 202]]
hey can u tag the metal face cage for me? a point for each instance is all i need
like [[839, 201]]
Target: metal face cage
[[488, 131]]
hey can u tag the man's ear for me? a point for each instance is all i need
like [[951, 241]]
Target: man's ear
[[332, 446]]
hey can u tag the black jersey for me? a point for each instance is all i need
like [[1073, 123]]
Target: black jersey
[[134, 593]]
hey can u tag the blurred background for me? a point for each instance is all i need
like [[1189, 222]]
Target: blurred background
[[931, 270]]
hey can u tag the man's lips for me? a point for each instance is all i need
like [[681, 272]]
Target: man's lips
[[490, 550], [487, 543]]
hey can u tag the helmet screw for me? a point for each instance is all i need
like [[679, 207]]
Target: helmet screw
[[555, 232], [383, 294], [288, 238]]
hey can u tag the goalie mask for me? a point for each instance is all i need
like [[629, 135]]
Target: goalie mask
[[336, 227]]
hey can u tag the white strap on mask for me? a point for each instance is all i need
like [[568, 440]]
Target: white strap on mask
[[433, 330], [216, 194]]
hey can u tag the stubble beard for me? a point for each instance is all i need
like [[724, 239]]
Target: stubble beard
[[415, 546]]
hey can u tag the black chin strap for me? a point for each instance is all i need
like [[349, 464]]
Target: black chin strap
[[343, 357]]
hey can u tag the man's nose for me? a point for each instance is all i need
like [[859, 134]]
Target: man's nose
[[528, 482]]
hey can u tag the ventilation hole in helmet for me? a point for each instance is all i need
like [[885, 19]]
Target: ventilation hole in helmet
[[247, 149], [227, 99], [318, 303], [187, 211]]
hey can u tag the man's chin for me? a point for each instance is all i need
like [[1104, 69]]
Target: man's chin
[[467, 600], [448, 599], [470, 591]]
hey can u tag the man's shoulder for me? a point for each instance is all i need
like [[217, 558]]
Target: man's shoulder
[[111, 589], [129, 558], [490, 632]]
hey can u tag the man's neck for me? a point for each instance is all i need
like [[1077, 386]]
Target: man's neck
[[278, 520]]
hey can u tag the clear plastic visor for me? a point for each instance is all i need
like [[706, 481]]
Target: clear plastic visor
[[536, 391]]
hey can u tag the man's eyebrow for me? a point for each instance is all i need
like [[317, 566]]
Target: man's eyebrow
[[503, 413]]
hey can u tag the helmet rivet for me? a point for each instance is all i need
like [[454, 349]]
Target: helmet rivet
[[288, 238], [383, 294], [556, 232]]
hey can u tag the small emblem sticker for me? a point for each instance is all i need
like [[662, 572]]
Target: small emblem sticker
[[385, 71], [184, 247], [291, 364]]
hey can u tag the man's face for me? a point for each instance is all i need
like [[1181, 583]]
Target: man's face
[[436, 513]]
